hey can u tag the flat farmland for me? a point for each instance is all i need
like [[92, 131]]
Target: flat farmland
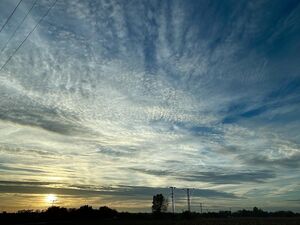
[[200, 221]]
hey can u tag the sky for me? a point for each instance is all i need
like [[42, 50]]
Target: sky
[[110, 102]]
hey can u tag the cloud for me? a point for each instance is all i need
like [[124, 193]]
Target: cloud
[[152, 93], [222, 177], [289, 162], [39, 118], [294, 200], [126, 192], [232, 178], [26, 183], [10, 169]]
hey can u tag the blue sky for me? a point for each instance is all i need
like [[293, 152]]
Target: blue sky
[[110, 102]]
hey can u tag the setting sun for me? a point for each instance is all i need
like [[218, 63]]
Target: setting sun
[[51, 198]]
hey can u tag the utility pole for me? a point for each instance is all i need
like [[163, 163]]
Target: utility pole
[[201, 207], [173, 199], [188, 199]]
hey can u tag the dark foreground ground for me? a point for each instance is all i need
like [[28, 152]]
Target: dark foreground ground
[[200, 221], [86, 215]]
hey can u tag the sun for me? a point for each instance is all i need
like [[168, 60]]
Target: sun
[[51, 198]]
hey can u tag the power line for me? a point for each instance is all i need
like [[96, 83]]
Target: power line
[[10, 57], [18, 27], [12, 13]]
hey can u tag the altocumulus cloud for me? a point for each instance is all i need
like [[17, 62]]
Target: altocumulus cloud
[[148, 94]]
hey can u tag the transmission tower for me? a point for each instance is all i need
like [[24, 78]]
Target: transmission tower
[[188, 199], [173, 199]]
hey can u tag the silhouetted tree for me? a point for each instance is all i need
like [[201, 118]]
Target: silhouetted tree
[[107, 212], [87, 213], [85, 209], [258, 212], [159, 204], [56, 210], [186, 214]]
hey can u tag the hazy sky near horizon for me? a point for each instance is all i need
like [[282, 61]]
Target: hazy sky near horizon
[[110, 102]]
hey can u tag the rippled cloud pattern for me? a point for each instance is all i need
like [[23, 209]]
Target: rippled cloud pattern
[[122, 99]]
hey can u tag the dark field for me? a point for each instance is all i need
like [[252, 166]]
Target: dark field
[[200, 221], [86, 215]]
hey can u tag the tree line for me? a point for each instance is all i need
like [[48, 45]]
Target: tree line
[[159, 210]]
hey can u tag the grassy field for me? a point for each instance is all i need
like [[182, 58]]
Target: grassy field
[[204, 221]]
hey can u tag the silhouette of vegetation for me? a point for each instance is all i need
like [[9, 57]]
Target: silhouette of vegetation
[[159, 204], [104, 215]]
